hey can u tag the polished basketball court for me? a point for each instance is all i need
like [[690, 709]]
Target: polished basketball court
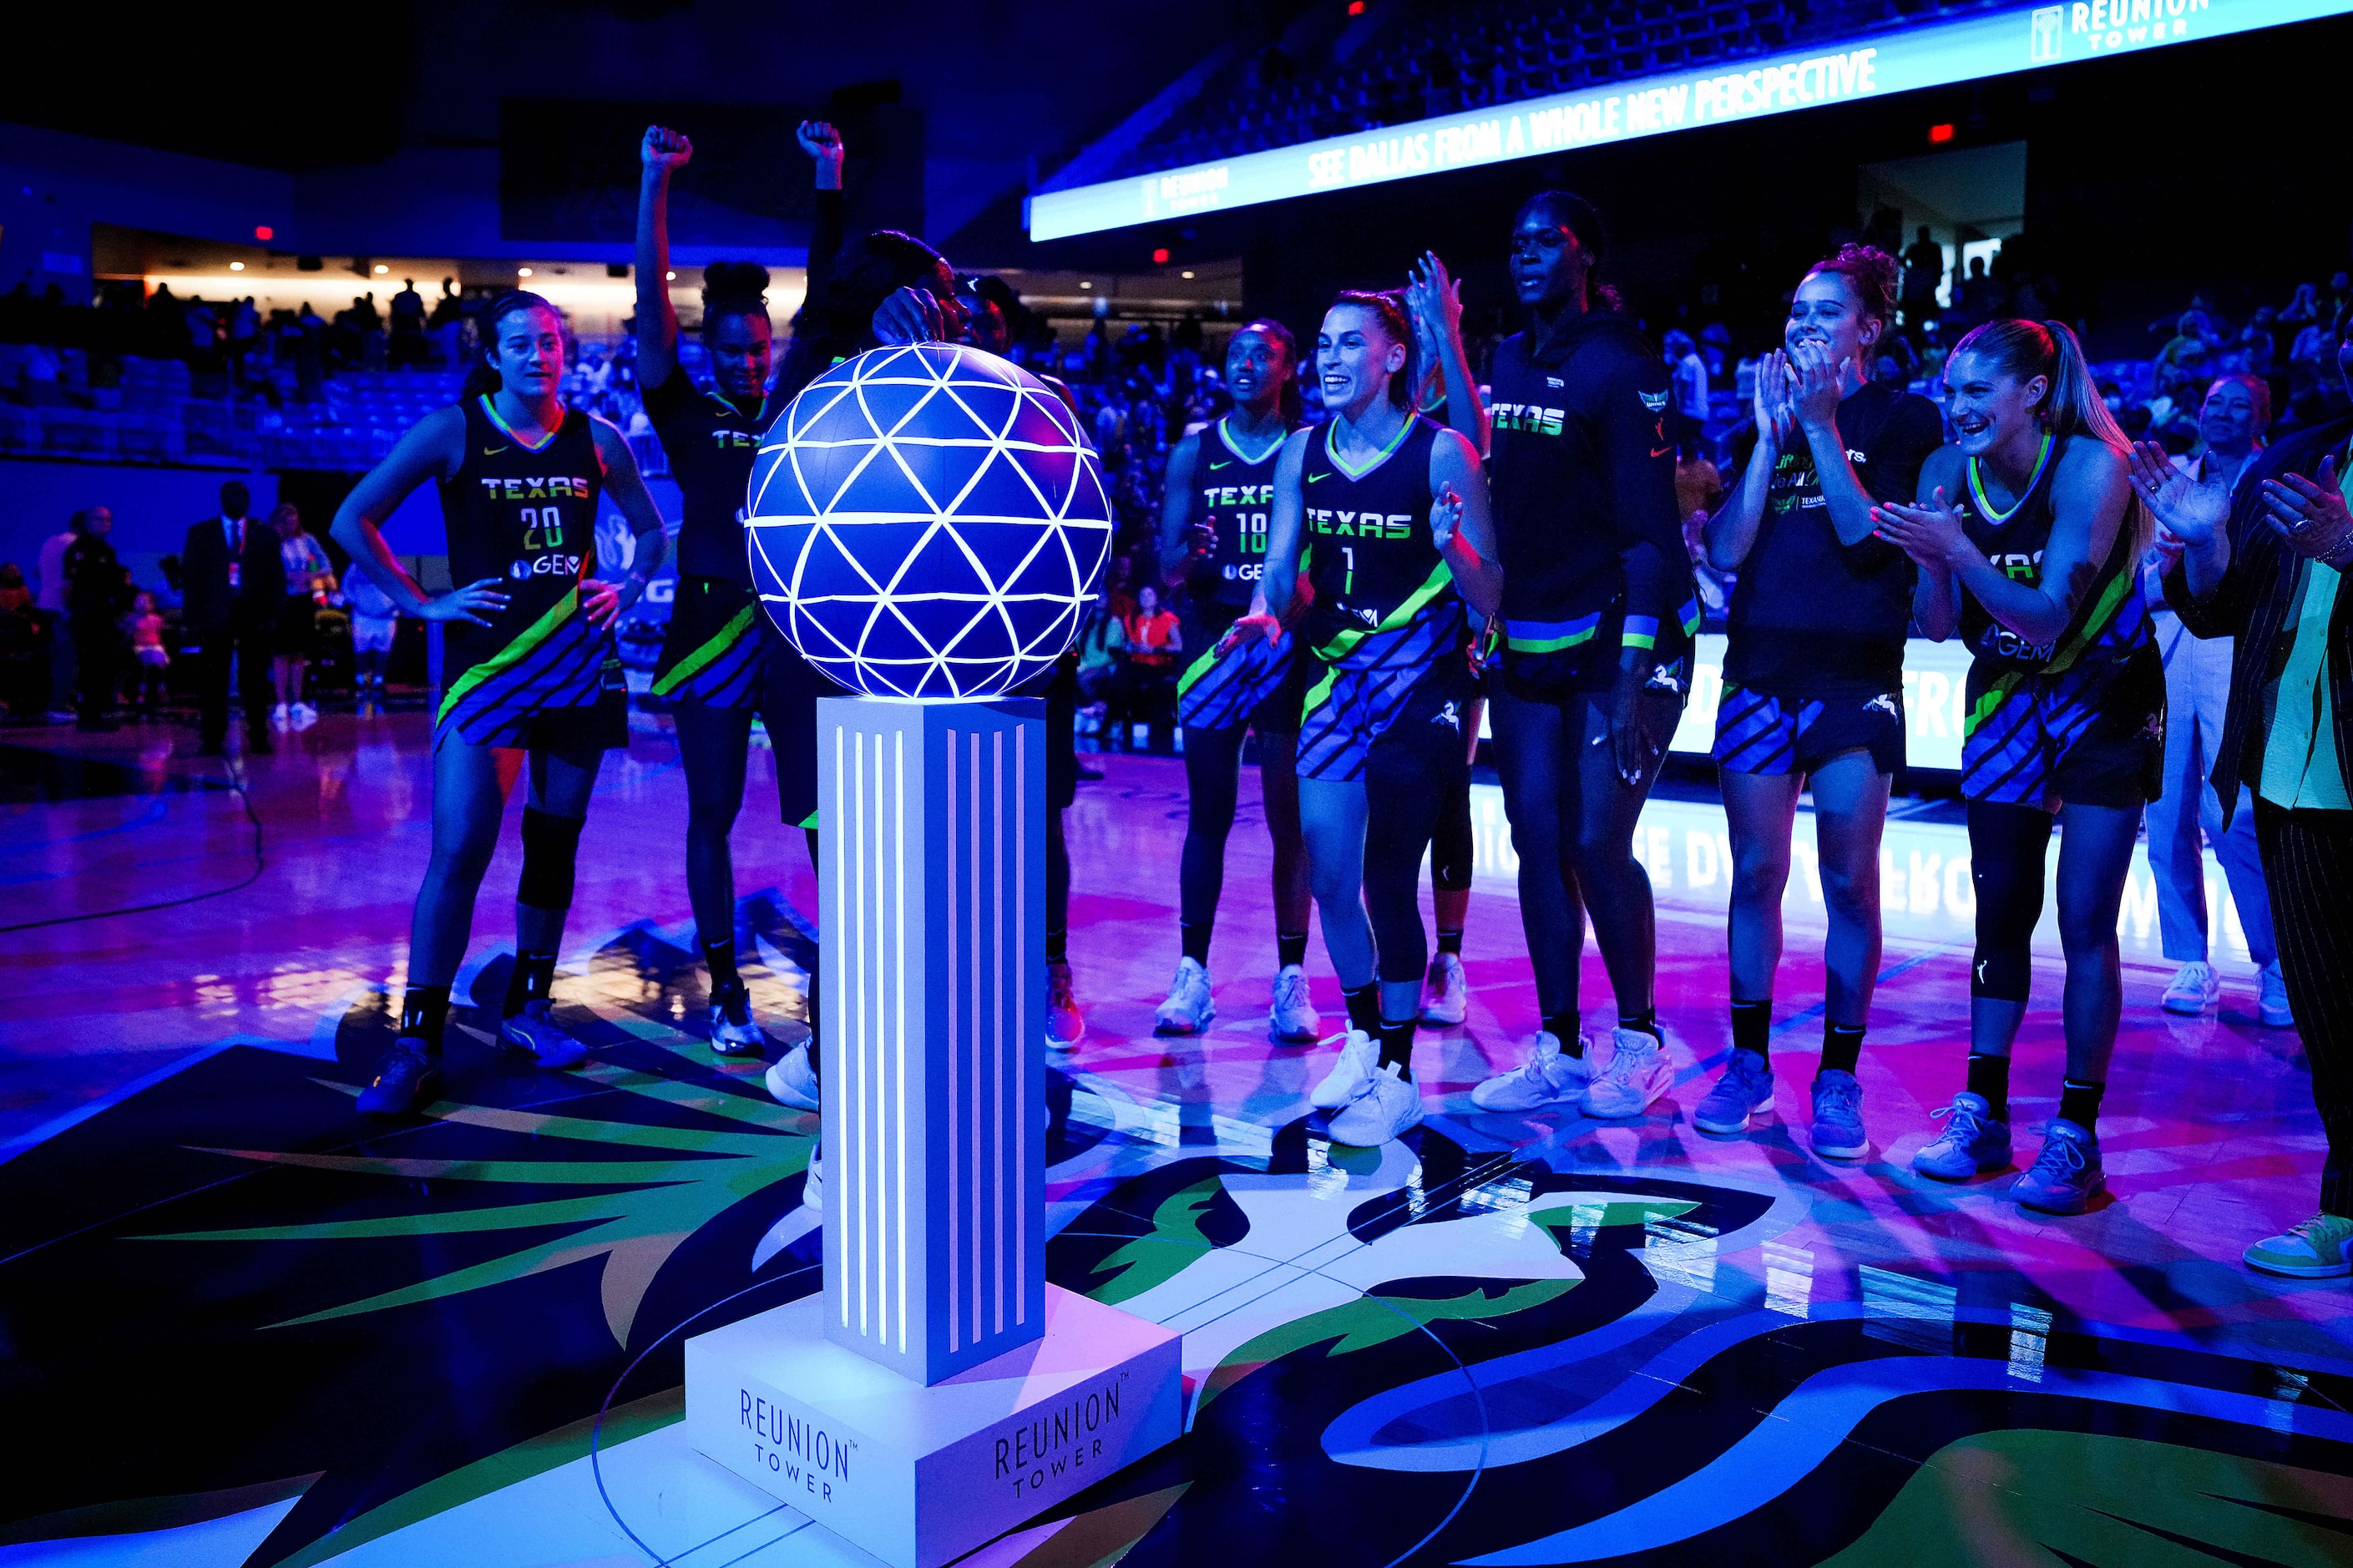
[[241, 1324]]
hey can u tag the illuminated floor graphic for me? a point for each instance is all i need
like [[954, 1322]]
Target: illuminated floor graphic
[[248, 1329]]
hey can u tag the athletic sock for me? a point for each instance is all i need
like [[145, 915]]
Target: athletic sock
[[1196, 940], [424, 1012], [719, 959], [533, 978], [1562, 1026], [1290, 948], [1057, 944], [1364, 1006], [1396, 1046], [2080, 1102], [1752, 1027], [1841, 1047], [1645, 1022], [1990, 1076], [1450, 941]]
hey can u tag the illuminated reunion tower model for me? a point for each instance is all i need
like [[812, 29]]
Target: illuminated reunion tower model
[[927, 526]]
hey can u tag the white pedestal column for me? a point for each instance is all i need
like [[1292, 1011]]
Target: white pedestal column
[[938, 1393]]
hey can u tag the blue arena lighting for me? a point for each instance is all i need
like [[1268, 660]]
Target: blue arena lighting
[[1934, 54]]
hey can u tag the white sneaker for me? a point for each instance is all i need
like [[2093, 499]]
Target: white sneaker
[[281, 716], [792, 1081], [1064, 1023], [1292, 1019], [813, 1190], [304, 715], [1446, 993], [1189, 1008], [1386, 1107], [1549, 1077], [2195, 988], [1637, 1073], [1360, 1057], [2271, 1002]]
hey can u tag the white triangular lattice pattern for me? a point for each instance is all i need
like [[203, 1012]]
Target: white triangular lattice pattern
[[900, 502]]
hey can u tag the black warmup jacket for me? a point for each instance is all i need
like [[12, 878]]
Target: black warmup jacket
[[1582, 470]]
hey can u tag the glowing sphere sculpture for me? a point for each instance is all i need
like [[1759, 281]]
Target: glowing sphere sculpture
[[926, 521]]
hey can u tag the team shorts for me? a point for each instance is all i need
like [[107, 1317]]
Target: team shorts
[[1758, 732], [715, 652], [1255, 683], [1361, 722], [2091, 736], [555, 688]]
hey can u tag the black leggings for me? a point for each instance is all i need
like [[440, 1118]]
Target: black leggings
[[1453, 849], [1213, 760], [714, 747], [1573, 828], [2008, 845]]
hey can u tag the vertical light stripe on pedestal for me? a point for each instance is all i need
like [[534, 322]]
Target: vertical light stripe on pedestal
[[931, 1045]]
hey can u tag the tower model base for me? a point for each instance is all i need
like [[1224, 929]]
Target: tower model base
[[920, 1476]]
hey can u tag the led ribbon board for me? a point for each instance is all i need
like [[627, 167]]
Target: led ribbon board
[[1931, 54]]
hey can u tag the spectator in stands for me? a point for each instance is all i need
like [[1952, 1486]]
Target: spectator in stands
[[1689, 376], [51, 601], [310, 578], [2186, 359], [2261, 562], [24, 664], [236, 585], [2189, 814], [376, 621], [1923, 274], [1103, 644], [96, 596], [1148, 683], [150, 659], [407, 347]]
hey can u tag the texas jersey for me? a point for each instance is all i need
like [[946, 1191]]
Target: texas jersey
[[525, 515], [1232, 496], [711, 443]]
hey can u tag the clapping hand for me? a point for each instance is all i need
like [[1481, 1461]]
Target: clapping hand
[[664, 149], [1930, 532], [2310, 514], [1820, 383], [1431, 294], [2190, 513], [1776, 420]]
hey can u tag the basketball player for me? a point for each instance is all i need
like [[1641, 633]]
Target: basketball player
[[2028, 536], [1813, 683], [722, 661], [1591, 668], [1213, 533], [1390, 511], [530, 664]]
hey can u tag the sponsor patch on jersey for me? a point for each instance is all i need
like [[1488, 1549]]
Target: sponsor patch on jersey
[[1884, 703], [1656, 402]]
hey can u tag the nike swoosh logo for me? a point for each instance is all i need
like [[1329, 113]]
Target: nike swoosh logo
[[1215, 466], [494, 451], [1312, 478], [1661, 451]]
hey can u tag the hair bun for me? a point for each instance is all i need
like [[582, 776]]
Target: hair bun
[[738, 284]]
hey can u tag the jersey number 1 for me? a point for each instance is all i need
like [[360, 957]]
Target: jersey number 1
[[1349, 581]]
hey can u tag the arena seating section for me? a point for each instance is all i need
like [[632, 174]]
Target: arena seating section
[[1406, 61]]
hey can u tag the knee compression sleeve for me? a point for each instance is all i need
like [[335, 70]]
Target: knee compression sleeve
[[1452, 848], [2006, 847], [550, 845]]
